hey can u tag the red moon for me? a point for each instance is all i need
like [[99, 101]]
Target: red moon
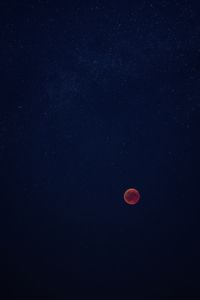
[[131, 196]]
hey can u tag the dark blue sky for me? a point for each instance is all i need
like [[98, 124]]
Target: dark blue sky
[[98, 97]]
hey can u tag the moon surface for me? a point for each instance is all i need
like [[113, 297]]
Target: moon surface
[[131, 196]]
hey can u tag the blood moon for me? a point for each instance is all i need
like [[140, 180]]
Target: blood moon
[[131, 196]]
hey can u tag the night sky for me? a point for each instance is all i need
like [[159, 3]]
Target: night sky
[[97, 97]]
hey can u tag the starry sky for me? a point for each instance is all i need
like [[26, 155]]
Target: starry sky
[[98, 97]]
